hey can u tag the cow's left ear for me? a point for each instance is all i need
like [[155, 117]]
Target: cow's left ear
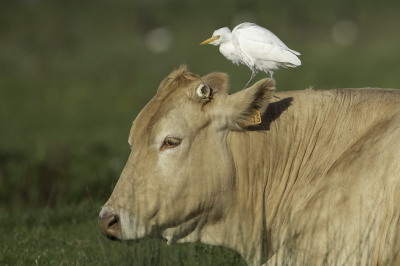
[[242, 105], [217, 81]]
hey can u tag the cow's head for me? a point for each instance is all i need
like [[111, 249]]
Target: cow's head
[[180, 175]]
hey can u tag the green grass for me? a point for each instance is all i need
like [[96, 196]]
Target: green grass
[[74, 75], [68, 236]]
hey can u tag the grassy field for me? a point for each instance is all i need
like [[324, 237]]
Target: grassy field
[[68, 235], [74, 75]]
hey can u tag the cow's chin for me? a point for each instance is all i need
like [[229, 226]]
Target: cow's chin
[[186, 231], [168, 236], [182, 233]]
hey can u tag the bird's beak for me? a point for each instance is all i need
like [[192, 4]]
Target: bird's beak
[[210, 40]]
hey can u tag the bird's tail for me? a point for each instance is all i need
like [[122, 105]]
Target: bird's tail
[[293, 51], [291, 60], [289, 65]]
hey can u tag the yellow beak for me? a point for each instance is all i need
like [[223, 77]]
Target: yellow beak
[[210, 40]]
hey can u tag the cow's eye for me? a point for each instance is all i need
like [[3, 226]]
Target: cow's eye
[[170, 142]]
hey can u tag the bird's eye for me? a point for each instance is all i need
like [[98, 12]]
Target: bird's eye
[[170, 142]]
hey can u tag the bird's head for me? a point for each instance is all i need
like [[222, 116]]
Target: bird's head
[[219, 36]]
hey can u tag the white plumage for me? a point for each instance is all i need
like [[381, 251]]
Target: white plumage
[[255, 47]]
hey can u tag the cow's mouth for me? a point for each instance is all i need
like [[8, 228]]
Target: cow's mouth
[[110, 225]]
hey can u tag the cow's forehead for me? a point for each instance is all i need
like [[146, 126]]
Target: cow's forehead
[[170, 94]]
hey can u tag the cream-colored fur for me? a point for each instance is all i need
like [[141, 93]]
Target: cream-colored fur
[[316, 182]]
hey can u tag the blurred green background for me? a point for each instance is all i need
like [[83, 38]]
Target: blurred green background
[[74, 75]]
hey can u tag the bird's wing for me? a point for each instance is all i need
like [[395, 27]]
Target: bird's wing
[[252, 33], [268, 52]]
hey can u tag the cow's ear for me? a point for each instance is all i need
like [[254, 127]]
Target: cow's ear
[[244, 104], [162, 84], [217, 81]]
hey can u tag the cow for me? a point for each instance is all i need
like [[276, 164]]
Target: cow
[[316, 182]]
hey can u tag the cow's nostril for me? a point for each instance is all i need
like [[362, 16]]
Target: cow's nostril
[[113, 226], [109, 226], [114, 221]]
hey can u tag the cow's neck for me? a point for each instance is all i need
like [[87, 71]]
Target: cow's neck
[[274, 181], [240, 228]]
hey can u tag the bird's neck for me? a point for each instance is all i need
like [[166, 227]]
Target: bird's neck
[[226, 38]]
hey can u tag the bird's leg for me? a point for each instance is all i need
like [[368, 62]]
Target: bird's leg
[[253, 74], [271, 73]]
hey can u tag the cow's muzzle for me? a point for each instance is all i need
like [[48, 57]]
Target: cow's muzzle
[[109, 225]]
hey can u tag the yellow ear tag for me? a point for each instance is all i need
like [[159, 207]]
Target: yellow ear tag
[[254, 119]]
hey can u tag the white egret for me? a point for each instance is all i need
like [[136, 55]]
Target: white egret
[[255, 47]]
